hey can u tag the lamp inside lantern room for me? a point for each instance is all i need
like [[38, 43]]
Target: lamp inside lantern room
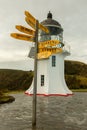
[[55, 30]]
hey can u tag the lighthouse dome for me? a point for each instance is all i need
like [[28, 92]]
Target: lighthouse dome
[[52, 24], [54, 27], [50, 21]]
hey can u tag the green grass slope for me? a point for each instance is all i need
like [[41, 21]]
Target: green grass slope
[[16, 80], [76, 74], [11, 80]]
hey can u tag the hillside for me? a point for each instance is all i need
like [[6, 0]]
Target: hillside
[[75, 75], [75, 68], [11, 80]]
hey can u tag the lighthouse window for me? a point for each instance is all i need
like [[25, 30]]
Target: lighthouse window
[[53, 61], [42, 80]]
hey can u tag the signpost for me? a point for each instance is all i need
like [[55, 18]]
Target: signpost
[[35, 78], [31, 37], [25, 30], [22, 37], [49, 43], [30, 16], [32, 24], [47, 52], [31, 20], [43, 28], [43, 55]]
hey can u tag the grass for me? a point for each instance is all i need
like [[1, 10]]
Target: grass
[[15, 92], [79, 90], [6, 99]]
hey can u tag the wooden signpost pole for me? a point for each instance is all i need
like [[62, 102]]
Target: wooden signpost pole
[[31, 37], [35, 78]]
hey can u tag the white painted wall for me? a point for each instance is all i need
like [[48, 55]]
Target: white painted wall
[[54, 76], [42, 69]]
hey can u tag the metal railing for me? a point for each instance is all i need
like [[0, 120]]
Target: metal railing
[[66, 47]]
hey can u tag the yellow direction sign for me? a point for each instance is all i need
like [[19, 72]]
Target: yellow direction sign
[[30, 16], [30, 22], [48, 44], [43, 28], [25, 30], [33, 21], [46, 53], [22, 37], [43, 55], [55, 50], [52, 50]]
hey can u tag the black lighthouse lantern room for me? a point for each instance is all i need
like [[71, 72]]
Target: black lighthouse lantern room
[[55, 29]]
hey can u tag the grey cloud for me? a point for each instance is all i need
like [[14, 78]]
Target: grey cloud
[[70, 13]]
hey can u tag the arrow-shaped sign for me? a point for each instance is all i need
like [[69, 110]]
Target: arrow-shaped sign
[[46, 53], [25, 30], [52, 50], [49, 44], [32, 21], [55, 50], [43, 55], [22, 37], [30, 16]]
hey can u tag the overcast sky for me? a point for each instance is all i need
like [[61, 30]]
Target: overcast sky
[[71, 14]]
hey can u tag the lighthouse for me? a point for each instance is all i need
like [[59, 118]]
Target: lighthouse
[[50, 64]]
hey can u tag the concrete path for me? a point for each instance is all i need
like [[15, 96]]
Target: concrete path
[[53, 113]]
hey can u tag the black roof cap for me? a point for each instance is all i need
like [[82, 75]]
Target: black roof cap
[[49, 15]]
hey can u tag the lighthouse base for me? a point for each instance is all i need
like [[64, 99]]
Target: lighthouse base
[[27, 93], [61, 91], [50, 77]]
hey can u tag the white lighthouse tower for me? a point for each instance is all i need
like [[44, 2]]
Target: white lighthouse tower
[[50, 68]]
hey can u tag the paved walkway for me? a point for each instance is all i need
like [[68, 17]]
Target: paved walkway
[[53, 113]]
